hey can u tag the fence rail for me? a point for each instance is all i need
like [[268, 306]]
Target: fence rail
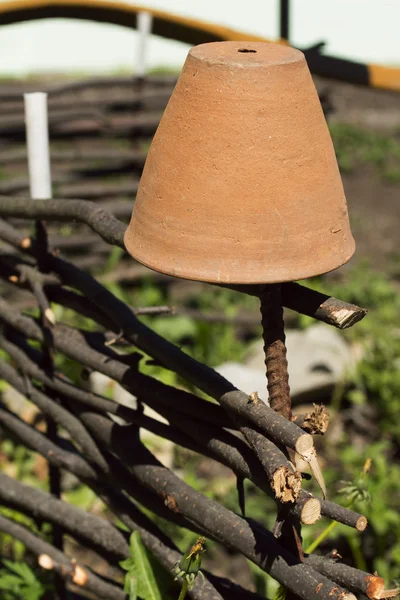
[[108, 454]]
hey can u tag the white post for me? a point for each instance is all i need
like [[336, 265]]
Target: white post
[[37, 139], [144, 26]]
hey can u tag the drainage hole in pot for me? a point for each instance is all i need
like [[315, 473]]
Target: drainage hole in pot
[[246, 50]]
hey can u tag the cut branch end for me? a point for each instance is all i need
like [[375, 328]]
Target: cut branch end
[[304, 445], [286, 484], [361, 524], [311, 511], [315, 422], [376, 587]]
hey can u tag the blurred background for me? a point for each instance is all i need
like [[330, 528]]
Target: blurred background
[[365, 31], [108, 86]]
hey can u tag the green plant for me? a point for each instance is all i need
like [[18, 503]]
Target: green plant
[[144, 577], [356, 146], [354, 492], [18, 580], [188, 567]]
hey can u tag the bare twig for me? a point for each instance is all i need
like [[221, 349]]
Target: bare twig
[[299, 298], [355, 580], [93, 531], [203, 511], [64, 566], [343, 515]]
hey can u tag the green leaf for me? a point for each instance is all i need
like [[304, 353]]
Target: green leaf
[[21, 569], [127, 564], [21, 581], [141, 573], [132, 589], [8, 582]]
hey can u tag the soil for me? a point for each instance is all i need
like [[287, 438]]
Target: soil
[[374, 208], [374, 204]]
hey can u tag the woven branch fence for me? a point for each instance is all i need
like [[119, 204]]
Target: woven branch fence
[[99, 440]]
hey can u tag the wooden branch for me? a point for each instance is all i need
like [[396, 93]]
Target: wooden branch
[[71, 571], [324, 308], [279, 429], [227, 527], [57, 412], [299, 298], [157, 542], [79, 155], [78, 466], [95, 532], [73, 345], [39, 443], [309, 302], [79, 346], [123, 99], [343, 515], [151, 82], [219, 523], [285, 482], [107, 226], [355, 580], [204, 438]]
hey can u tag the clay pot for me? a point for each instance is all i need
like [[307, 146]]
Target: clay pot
[[241, 183]]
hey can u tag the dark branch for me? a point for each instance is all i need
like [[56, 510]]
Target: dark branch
[[353, 579], [299, 298], [343, 515], [64, 566], [58, 414], [74, 343], [257, 544], [107, 226], [95, 532]]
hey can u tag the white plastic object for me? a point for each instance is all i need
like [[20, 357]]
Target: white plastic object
[[144, 27], [37, 139]]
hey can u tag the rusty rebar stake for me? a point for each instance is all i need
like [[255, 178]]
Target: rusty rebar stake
[[275, 349], [276, 363], [287, 526]]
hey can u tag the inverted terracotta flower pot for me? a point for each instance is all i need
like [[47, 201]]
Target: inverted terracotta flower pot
[[241, 183]]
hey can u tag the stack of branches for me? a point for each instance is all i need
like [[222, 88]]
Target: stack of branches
[[90, 108], [100, 130], [103, 448]]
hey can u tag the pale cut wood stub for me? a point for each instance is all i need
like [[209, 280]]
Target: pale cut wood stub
[[307, 508], [361, 523], [311, 511], [311, 458], [286, 484], [340, 315], [304, 445]]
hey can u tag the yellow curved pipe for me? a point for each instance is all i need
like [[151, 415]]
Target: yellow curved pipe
[[184, 29], [191, 31], [384, 78]]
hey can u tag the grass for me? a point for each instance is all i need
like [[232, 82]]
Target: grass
[[356, 147]]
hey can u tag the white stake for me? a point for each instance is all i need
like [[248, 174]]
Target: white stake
[[144, 26], [37, 139]]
